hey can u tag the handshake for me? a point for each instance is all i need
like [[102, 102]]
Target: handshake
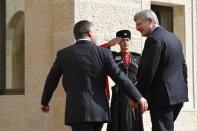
[[143, 104]]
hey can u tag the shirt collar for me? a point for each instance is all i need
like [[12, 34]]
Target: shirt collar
[[84, 39], [155, 27]]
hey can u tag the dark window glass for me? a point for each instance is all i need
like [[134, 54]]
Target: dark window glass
[[165, 16], [2, 44]]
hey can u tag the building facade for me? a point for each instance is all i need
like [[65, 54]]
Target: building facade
[[33, 30]]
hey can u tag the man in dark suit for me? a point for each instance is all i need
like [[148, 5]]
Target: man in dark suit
[[162, 76], [84, 67]]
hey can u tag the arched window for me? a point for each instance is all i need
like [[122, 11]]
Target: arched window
[[12, 43]]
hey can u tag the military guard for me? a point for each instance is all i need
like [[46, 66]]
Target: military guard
[[126, 116]]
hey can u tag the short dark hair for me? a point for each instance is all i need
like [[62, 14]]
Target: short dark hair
[[81, 28]]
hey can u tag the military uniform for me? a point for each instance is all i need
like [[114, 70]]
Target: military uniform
[[123, 118]]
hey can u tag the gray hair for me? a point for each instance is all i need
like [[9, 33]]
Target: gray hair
[[81, 28], [146, 14]]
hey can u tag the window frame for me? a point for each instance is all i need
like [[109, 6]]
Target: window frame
[[2, 45], [3, 90], [168, 11]]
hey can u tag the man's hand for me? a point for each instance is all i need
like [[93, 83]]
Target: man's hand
[[143, 104], [45, 108], [114, 41]]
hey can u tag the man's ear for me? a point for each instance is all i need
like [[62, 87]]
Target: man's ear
[[89, 33]]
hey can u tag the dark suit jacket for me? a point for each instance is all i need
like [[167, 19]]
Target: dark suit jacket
[[162, 76], [84, 67]]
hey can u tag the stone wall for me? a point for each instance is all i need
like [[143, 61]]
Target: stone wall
[[195, 47], [48, 27], [109, 17]]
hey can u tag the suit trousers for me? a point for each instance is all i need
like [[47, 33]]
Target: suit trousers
[[87, 126], [163, 118]]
